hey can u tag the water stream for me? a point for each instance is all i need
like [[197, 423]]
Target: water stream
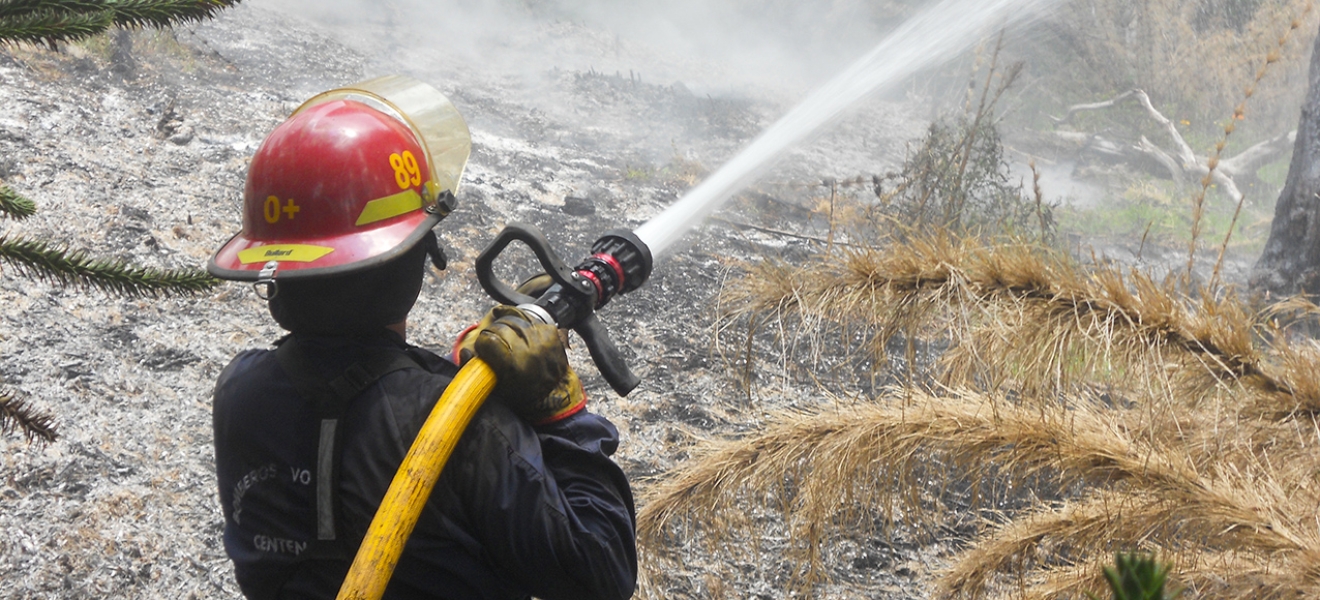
[[932, 37]]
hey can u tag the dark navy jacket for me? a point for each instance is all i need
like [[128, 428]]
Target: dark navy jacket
[[518, 511]]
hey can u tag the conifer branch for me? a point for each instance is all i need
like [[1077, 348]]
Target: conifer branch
[[16, 413], [50, 21], [165, 13], [14, 205], [10, 8], [41, 260], [46, 26]]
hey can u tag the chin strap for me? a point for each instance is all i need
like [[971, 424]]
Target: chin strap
[[434, 250]]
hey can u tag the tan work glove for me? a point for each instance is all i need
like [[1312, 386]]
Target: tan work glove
[[463, 345], [527, 358], [533, 376]]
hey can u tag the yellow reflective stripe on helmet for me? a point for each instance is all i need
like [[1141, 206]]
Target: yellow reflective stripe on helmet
[[390, 206], [283, 252]]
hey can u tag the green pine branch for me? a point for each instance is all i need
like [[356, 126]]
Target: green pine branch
[[16, 413], [165, 13], [50, 21], [14, 205], [42, 260], [10, 8], [48, 26]]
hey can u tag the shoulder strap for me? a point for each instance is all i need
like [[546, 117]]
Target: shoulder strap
[[331, 398]]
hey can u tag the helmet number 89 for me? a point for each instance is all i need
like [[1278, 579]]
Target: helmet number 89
[[406, 171]]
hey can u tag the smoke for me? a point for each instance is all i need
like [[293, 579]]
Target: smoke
[[945, 30], [711, 46]]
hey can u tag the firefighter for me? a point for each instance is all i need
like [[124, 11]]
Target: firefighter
[[338, 210]]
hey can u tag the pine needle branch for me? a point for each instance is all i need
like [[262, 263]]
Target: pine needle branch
[[50, 21], [16, 413], [48, 27], [11, 8], [165, 13], [14, 205], [61, 265]]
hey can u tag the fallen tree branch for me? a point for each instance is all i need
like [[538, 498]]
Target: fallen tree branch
[[1182, 164], [1077, 108], [1159, 155], [1259, 155], [1185, 153]]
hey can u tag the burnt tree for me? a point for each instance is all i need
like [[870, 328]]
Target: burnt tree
[[1291, 261]]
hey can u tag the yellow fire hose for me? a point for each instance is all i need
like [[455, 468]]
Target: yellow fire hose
[[402, 505]]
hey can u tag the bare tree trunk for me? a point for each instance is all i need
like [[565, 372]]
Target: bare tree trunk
[[1291, 261]]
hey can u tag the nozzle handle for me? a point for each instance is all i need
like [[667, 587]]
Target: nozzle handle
[[570, 301], [606, 356], [534, 239]]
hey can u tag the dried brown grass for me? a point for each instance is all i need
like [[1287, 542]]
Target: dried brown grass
[[1077, 411], [1018, 313], [826, 472]]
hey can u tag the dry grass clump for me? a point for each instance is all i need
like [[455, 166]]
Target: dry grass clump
[[1019, 312], [826, 472], [1076, 412]]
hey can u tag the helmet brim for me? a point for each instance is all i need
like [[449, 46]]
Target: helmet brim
[[242, 259]]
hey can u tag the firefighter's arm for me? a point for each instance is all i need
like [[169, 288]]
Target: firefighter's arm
[[555, 512], [562, 523]]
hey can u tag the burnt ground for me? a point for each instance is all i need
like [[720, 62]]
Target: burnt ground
[[135, 145]]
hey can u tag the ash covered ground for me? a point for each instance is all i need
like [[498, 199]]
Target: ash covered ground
[[135, 146]]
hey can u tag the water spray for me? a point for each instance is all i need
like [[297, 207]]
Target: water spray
[[936, 35], [621, 261]]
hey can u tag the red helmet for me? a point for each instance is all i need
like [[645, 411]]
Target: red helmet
[[346, 183]]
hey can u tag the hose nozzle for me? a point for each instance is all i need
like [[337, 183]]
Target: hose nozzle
[[620, 263]]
